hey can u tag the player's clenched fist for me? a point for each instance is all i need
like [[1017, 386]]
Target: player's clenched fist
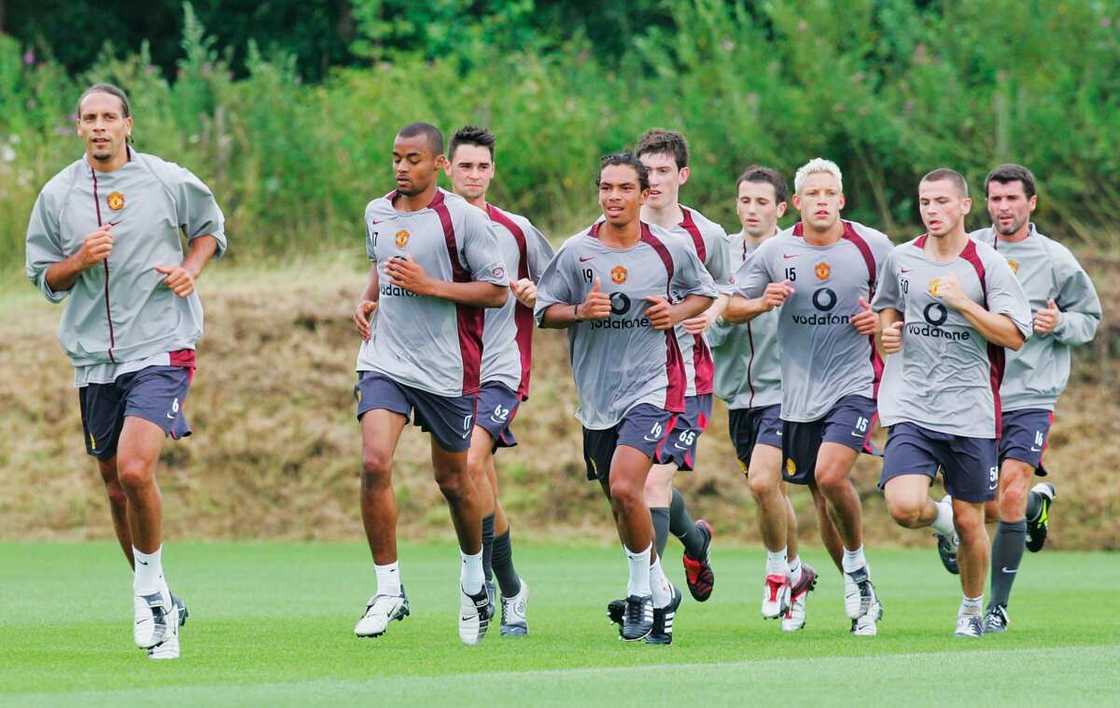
[[776, 294], [525, 291], [891, 338], [865, 321], [659, 312], [597, 304], [950, 292], [177, 279], [363, 313], [1046, 321], [96, 247]]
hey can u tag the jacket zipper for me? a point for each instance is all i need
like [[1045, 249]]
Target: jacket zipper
[[105, 262]]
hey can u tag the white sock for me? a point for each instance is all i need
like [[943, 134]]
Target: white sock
[[776, 562], [471, 576], [794, 570], [972, 605], [388, 578], [943, 524], [659, 585], [148, 576], [639, 572], [853, 560]]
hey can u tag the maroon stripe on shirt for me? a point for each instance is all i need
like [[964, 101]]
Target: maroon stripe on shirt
[[469, 319], [851, 235], [674, 361], [996, 353], [522, 316], [702, 364], [108, 309]]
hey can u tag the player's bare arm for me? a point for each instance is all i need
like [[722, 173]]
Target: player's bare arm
[[596, 306], [367, 305], [180, 279], [890, 331], [741, 309], [94, 249], [662, 315], [996, 328], [702, 322], [410, 275]]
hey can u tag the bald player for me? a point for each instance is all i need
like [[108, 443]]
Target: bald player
[[436, 266]]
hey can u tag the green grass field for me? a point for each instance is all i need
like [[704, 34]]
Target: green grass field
[[271, 624]]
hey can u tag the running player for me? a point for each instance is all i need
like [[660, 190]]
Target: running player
[[823, 273], [948, 306], [507, 354], [106, 232], [665, 155], [748, 378], [627, 365], [1067, 312], [436, 265]]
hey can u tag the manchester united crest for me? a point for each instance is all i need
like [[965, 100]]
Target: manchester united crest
[[823, 270], [934, 286], [618, 275], [115, 200], [402, 238], [1014, 265]]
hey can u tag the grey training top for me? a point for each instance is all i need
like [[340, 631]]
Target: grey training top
[[1037, 374], [622, 361], [120, 313], [747, 355], [709, 241], [421, 341], [946, 378], [824, 358], [507, 339]]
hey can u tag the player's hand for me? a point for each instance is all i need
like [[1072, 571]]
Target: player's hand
[[363, 315], [950, 292], [525, 291], [700, 323], [408, 274], [177, 278], [1046, 321], [597, 304], [865, 321], [96, 247], [659, 312], [776, 294], [891, 339]]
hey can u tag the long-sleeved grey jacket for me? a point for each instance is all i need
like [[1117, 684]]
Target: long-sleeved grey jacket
[[1037, 374], [121, 311]]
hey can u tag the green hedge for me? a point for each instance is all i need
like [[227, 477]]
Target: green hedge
[[886, 88]]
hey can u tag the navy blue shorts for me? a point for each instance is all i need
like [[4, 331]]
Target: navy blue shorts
[[847, 423], [968, 465], [685, 436], [749, 427], [497, 407], [155, 393], [1024, 437], [645, 428], [449, 419]]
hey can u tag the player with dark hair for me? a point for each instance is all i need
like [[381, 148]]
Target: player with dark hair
[[436, 266], [822, 273], [619, 288], [748, 378], [665, 155], [1066, 313], [507, 355], [106, 231], [948, 306]]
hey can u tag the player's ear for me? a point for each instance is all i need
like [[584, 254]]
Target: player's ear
[[682, 175], [966, 205], [842, 200], [1033, 202], [780, 210], [797, 201]]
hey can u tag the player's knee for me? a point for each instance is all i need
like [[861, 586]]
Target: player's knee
[[376, 468], [905, 513], [1013, 502], [134, 473], [969, 526], [453, 486], [761, 487], [625, 493], [831, 479], [115, 492]]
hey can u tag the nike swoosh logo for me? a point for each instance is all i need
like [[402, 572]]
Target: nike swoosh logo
[[787, 257], [171, 416], [905, 270], [468, 618], [1008, 570], [1036, 449], [142, 562], [678, 446], [584, 260], [649, 439], [857, 435]]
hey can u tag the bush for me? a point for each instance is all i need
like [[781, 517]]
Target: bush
[[889, 89]]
